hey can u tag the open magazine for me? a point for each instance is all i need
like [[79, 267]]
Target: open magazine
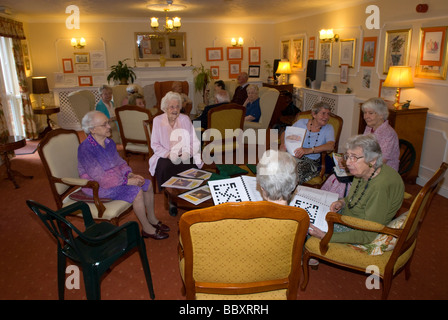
[[182, 183], [197, 196], [294, 138], [315, 202], [196, 174]]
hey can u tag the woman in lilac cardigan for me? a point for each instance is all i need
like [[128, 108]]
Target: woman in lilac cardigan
[[98, 160], [375, 115]]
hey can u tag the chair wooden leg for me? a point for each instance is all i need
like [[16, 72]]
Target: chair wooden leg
[[305, 268], [387, 282]]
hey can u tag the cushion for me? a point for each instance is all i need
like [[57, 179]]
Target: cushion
[[81, 196], [383, 242]]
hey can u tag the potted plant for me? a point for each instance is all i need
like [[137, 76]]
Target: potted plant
[[268, 68], [203, 77], [121, 73]]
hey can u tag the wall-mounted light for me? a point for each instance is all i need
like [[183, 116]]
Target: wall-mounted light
[[328, 35], [78, 43], [235, 43]]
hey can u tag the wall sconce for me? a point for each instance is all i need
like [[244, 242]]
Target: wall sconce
[[399, 77], [239, 43], [81, 43], [284, 68], [328, 35]]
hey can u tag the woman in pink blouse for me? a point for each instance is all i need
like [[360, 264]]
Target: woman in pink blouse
[[173, 140], [375, 113]]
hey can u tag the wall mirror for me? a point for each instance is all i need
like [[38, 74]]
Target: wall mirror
[[150, 46]]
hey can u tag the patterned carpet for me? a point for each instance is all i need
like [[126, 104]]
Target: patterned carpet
[[28, 253]]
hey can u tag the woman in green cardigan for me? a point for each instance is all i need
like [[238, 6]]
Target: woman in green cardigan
[[376, 193]]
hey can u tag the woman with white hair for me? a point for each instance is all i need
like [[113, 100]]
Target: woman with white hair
[[277, 176], [98, 160], [106, 105], [376, 195], [173, 140], [375, 113], [252, 104]]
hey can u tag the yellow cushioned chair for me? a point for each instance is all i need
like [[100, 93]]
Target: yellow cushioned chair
[[391, 262], [248, 250]]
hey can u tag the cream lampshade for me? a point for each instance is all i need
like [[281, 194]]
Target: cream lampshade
[[399, 77], [284, 68]]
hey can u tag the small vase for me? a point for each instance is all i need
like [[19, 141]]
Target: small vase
[[162, 61]]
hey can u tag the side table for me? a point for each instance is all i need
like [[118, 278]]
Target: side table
[[47, 111], [8, 144]]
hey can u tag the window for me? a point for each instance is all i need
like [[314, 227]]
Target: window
[[9, 89]]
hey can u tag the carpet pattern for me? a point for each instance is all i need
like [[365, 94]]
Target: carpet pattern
[[28, 252]]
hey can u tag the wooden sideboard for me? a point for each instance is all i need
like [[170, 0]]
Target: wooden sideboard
[[281, 102], [410, 125]]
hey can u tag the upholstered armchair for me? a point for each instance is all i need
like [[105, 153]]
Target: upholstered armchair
[[390, 252], [162, 87], [247, 250]]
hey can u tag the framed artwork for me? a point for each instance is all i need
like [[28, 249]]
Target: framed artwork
[[215, 72], [344, 73], [82, 57], [254, 71], [325, 52], [297, 53], [214, 54], [397, 48], [67, 65], [286, 47], [347, 52], [254, 55], [85, 81], [368, 57], [234, 69], [387, 93], [311, 47], [432, 55], [234, 53]]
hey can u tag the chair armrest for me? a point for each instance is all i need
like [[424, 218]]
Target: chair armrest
[[355, 223], [86, 214], [77, 182]]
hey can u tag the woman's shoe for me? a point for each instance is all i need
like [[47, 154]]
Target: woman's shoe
[[158, 235], [160, 226]]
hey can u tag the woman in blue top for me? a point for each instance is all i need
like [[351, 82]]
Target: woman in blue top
[[252, 104], [319, 137], [106, 105]]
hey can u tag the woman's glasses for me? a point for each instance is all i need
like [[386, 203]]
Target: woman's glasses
[[352, 157]]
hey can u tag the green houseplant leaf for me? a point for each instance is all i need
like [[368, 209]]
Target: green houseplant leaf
[[121, 73]]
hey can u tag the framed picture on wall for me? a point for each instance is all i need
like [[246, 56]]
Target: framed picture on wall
[[344, 73], [297, 53], [325, 52], [432, 58], [234, 69], [85, 81], [286, 49], [397, 48], [215, 72], [234, 53], [311, 47], [254, 71], [82, 57], [67, 65], [347, 52], [254, 55], [368, 55], [214, 54]]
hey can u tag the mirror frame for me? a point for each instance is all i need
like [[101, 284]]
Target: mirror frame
[[156, 57]]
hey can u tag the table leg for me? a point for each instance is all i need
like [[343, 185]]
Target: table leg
[[11, 173]]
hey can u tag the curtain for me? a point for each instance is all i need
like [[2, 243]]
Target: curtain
[[14, 29]]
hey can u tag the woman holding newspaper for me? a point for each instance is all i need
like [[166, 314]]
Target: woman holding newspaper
[[319, 137], [376, 195]]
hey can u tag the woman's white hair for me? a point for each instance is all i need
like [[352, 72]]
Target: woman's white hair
[[168, 97], [277, 174], [87, 121], [370, 148], [378, 105]]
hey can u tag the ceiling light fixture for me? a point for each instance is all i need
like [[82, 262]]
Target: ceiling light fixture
[[171, 24]]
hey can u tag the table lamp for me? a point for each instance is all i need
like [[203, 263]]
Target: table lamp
[[284, 68], [399, 77], [40, 86]]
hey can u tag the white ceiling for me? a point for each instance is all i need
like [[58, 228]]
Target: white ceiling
[[246, 11]]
